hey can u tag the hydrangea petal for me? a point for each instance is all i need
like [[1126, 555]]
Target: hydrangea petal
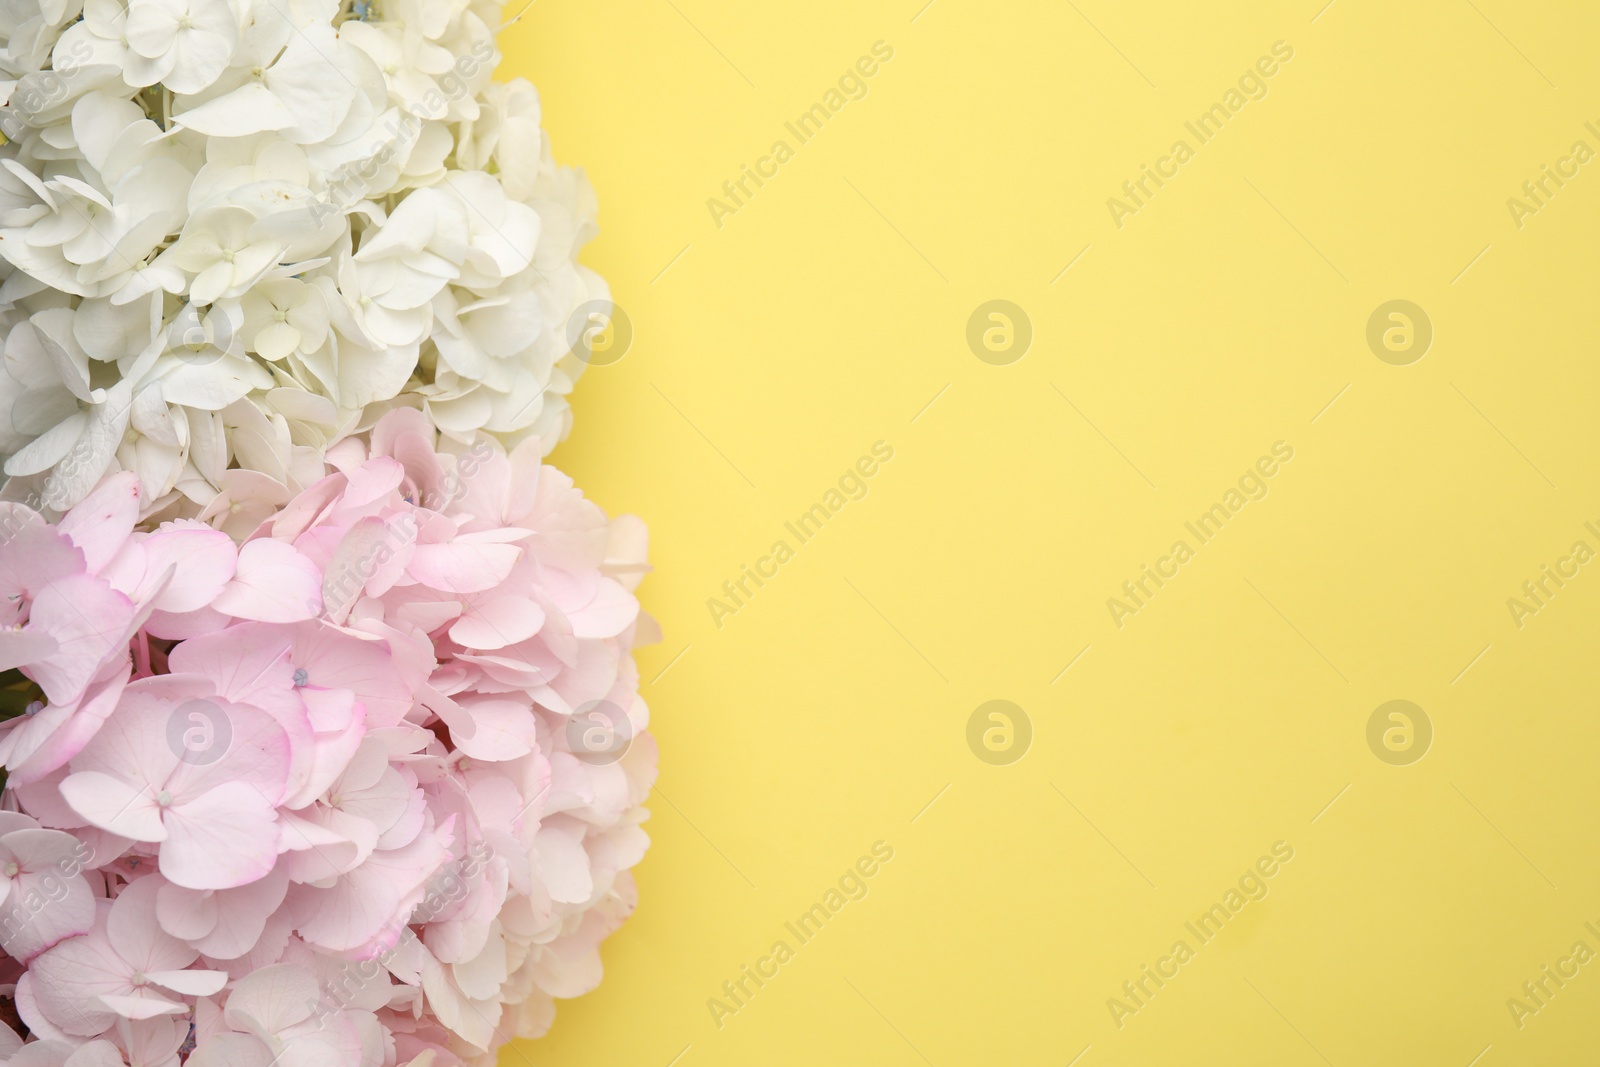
[[273, 583]]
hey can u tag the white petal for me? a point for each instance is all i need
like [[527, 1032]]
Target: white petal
[[249, 109]]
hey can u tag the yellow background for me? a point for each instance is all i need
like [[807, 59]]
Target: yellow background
[[773, 351]]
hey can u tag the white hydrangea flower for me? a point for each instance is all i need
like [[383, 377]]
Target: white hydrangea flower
[[184, 44], [233, 232]]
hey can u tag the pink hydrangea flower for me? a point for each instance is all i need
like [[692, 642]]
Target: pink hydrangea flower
[[125, 967], [349, 776], [216, 820]]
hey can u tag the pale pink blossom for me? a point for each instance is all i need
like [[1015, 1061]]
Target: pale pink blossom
[[216, 821], [274, 1017], [327, 766], [44, 898], [125, 967]]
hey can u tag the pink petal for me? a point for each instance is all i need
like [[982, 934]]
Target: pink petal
[[100, 1053], [497, 622], [101, 523], [240, 914], [329, 756], [504, 729], [330, 710], [462, 567], [567, 967], [43, 910], [475, 1021], [42, 745], [18, 648], [114, 804], [428, 615], [71, 977], [247, 662], [273, 999], [39, 851], [563, 863], [32, 553], [481, 976], [136, 935], [273, 583], [11, 821], [591, 676], [373, 900], [155, 1041], [172, 627], [133, 743], [142, 1005], [205, 560], [190, 983], [572, 530], [257, 755], [453, 714], [28, 1008], [43, 798], [187, 914], [611, 611], [386, 805], [90, 622], [369, 558], [373, 480], [308, 507], [336, 659], [317, 853], [224, 838], [231, 1050]]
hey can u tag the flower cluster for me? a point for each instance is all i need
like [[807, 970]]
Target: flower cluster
[[351, 776], [233, 232]]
